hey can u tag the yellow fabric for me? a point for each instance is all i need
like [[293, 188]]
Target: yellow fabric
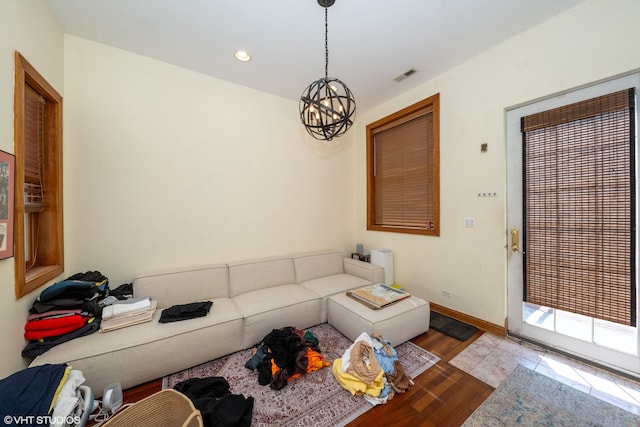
[[63, 380], [355, 385]]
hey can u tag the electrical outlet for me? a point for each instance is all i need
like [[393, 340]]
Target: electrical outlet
[[446, 293], [469, 222]]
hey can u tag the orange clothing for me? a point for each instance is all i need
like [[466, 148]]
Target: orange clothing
[[315, 361]]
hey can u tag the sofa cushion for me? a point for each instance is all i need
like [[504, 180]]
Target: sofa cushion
[[321, 264], [327, 286], [183, 287], [277, 307], [249, 276]]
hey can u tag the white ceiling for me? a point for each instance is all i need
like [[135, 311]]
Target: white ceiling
[[370, 41]]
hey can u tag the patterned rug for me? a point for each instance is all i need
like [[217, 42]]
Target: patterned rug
[[315, 399], [527, 398]]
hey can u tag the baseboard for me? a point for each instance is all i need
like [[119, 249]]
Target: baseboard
[[473, 321]]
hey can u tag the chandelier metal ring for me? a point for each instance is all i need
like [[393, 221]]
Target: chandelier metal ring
[[327, 106]]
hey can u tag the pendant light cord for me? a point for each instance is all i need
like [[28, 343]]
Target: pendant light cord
[[326, 45]]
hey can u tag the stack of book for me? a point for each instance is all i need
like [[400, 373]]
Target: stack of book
[[128, 312], [378, 295]]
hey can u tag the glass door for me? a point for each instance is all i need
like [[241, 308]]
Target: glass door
[[572, 234]]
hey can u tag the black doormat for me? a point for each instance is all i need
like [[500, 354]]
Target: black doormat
[[452, 327]]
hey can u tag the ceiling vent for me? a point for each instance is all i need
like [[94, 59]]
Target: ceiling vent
[[404, 75]]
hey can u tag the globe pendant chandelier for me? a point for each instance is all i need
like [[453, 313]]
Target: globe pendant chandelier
[[327, 106]]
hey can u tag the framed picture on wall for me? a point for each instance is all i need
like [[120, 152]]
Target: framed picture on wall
[[7, 184]]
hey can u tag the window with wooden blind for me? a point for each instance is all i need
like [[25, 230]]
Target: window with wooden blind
[[38, 229], [579, 213], [403, 173], [34, 108]]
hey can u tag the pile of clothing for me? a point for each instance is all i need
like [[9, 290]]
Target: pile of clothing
[[64, 311], [370, 367], [284, 355], [45, 395], [218, 406]]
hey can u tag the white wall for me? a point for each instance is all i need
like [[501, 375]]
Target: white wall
[[25, 26], [590, 42], [166, 168]]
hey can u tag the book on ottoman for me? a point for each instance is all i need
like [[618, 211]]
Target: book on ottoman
[[378, 295]]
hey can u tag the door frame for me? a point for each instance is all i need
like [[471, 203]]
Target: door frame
[[515, 205]]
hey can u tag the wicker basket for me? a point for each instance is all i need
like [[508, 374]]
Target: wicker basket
[[167, 408]]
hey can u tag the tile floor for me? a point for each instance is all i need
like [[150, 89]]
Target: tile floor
[[492, 358]]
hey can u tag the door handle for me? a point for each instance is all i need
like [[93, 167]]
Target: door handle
[[515, 240]]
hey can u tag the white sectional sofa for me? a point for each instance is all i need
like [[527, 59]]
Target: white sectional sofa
[[250, 298]]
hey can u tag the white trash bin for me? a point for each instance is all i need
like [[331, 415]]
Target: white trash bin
[[384, 258]]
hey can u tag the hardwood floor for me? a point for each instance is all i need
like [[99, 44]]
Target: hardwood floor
[[442, 396]]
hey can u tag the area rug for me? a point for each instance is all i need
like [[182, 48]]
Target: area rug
[[527, 398], [451, 327], [315, 399]]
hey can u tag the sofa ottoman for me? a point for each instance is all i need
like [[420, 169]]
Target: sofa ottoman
[[398, 322]]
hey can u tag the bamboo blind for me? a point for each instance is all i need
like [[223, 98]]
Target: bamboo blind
[[579, 187], [404, 174]]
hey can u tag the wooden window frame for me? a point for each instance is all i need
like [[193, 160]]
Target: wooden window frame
[[419, 109], [49, 262]]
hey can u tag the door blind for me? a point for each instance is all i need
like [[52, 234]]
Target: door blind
[[579, 192]]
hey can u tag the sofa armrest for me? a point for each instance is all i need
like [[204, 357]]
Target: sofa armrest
[[371, 272]]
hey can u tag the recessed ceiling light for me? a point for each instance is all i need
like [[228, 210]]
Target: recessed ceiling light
[[242, 55]]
